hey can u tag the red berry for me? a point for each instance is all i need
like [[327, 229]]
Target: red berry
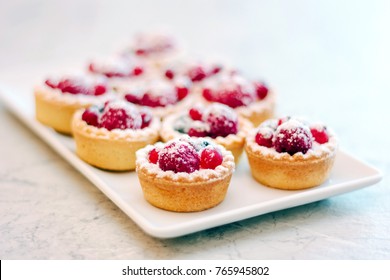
[[179, 157], [210, 158], [132, 98], [197, 74], [222, 120], [320, 135], [118, 118], [140, 52], [169, 74], [195, 113], [100, 89], [197, 132], [146, 118], [261, 90], [208, 94], [216, 70], [234, 98], [153, 156], [51, 84], [77, 86], [293, 137], [182, 92], [90, 117], [73, 87], [264, 137], [137, 71], [283, 120]]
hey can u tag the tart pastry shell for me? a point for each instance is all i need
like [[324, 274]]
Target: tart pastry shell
[[110, 150]]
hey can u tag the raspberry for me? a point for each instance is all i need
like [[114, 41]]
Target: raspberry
[[320, 134], [261, 90], [234, 98], [77, 86], [216, 70], [140, 52], [132, 98], [179, 157], [197, 74], [195, 113], [153, 156], [196, 132], [264, 136], [137, 71], [90, 117], [293, 137], [152, 101], [283, 120], [210, 158], [222, 120], [169, 74], [208, 94], [100, 89], [51, 84], [73, 86], [182, 92], [146, 118], [120, 117]]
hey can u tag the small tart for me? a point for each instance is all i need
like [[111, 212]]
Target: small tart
[[155, 48], [55, 108], [233, 142], [242, 93], [291, 172], [117, 69], [111, 149], [184, 192]]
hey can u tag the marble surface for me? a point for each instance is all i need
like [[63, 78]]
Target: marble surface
[[329, 61]]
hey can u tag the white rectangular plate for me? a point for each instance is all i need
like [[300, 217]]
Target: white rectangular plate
[[245, 198]]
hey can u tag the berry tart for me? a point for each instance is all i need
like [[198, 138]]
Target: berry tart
[[185, 174], [107, 136], [154, 48], [162, 97], [251, 100], [216, 122], [117, 68], [57, 99], [291, 153]]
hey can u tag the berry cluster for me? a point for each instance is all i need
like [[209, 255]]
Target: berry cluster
[[290, 135], [234, 91], [196, 73], [186, 155], [158, 96], [119, 67], [77, 85], [216, 120], [117, 115]]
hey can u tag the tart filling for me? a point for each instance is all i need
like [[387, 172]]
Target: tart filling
[[161, 96]]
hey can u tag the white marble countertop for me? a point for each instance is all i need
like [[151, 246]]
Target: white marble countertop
[[327, 61]]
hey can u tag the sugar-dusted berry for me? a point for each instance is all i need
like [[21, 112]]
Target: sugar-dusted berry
[[293, 137], [210, 158], [179, 156]]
